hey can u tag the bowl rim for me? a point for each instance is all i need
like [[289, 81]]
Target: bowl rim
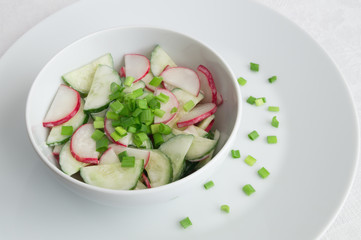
[[147, 191]]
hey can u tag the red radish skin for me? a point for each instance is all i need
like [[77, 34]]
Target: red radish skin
[[108, 129], [200, 112], [137, 66], [146, 180], [183, 78], [207, 84], [142, 154], [73, 150], [209, 127], [122, 72], [56, 156], [167, 107], [71, 114], [219, 99]]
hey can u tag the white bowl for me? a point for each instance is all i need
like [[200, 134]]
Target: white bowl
[[185, 51]]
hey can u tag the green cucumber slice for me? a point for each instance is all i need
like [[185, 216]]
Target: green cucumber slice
[[159, 169], [99, 114], [204, 123], [68, 164], [159, 59], [55, 137], [113, 176], [140, 186], [176, 148], [81, 78], [205, 161], [98, 97]]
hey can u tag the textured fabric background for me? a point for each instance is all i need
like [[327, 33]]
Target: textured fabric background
[[335, 24]]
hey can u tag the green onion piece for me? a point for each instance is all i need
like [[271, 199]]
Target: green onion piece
[[149, 97], [154, 128], [98, 124], [97, 135], [141, 137], [146, 117], [235, 154], [112, 115], [102, 144], [158, 139], [225, 208], [173, 110], [129, 81], [121, 131], [185, 222], [156, 81], [259, 102], [254, 67], [208, 185], [251, 100], [162, 97], [128, 161], [188, 105], [272, 139], [159, 113], [66, 130], [116, 106], [122, 154], [242, 81], [142, 103], [144, 128], [154, 104], [275, 123], [137, 112], [248, 189], [253, 135], [137, 92], [136, 121], [164, 129], [272, 79], [273, 109], [115, 95], [126, 122], [115, 136], [132, 129], [264, 99], [99, 119], [263, 173], [114, 87], [250, 160], [137, 142]]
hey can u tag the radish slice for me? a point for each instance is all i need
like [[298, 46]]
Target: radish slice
[[64, 106], [83, 146], [183, 78], [122, 72], [108, 157], [146, 180], [197, 114], [109, 129], [166, 107], [207, 85], [56, 151], [166, 85], [219, 99], [147, 80], [136, 66], [135, 152], [209, 127]]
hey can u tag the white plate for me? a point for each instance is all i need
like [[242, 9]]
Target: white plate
[[311, 167]]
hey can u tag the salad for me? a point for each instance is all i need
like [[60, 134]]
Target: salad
[[144, 126]]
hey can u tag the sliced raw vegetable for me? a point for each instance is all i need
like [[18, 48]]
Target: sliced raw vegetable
[[134, 86], [159, 169], [133, 152], [136, 66], [219, 99], [183, 78], [83, 146], [196, 131], [166, 107], [140, 186], [56, 151], [146, 181], [109, 157], [209, 127], [159, 60], [197, 114], [109, 130], [149, 77], [67, 162], [205, 161], [208, 87], [205, 123]]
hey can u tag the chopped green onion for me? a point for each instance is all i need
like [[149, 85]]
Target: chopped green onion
[[137, 112], [235, 154], [188, 105], [122, 154], [208, 185], [97, 135], [98, 124], [162, 97], [154, 128], [259, 102], [158, 139], [66, 130], [273, 109], [115, 136], [275, 123], [250, 160], [114, 87], [164, 129], [263, 173], [154, 104], [248, 189], [242, 81], [112, 115], [156, 81], [132, 129], [99, 119], [126, 122], [159, 113], [137, 92], [141, 137], [146, 117], [128, 161], [149, 97], [264, 99], [186, 223], [121, 131], [272, 79], [116, 95], [137, 142], [142, 103], [173, 110], [102, 144], [129, 81], [251, 100], [144, 128], [225, 208], [254, 67], [272, 139], [116, 106], [253, 135]]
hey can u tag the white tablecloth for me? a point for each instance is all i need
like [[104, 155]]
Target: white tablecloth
[[335, 24]]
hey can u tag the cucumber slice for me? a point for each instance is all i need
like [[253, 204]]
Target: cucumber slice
[[81, 79], [68, 164], [176, 148], [159, 60], [134, 86], [140, 186], [183, 97], [167, 137], [196, 131], [147, 144], [205, 161], [113, 176], [204, 123], [99, 114], [159, 169], [55, 137], [98, 97]]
